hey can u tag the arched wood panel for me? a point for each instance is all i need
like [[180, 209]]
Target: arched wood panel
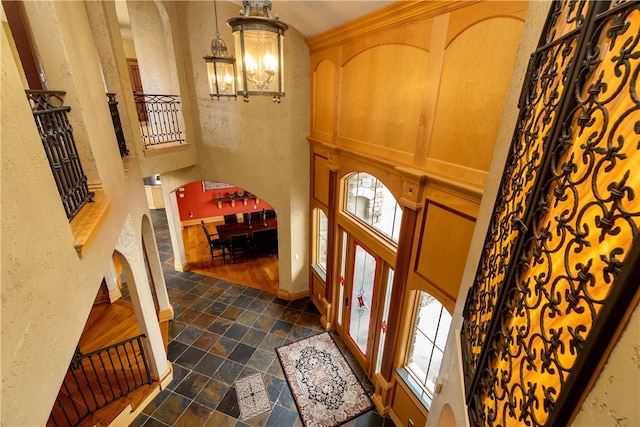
[[473, 89], [323, 99], [389, 121]]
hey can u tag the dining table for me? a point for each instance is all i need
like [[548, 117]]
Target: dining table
[[225, 231]]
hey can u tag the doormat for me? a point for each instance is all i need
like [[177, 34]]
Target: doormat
[[326, 391], [252, 396]]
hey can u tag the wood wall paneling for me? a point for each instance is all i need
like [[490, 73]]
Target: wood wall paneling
[[442, 249], [324, 100], [406, 407], [381, 96], [320, 179], [318, 292], [475, 80], [416, 34], [463, 18]]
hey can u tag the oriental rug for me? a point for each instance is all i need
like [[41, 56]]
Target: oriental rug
[[252, 396], [325, 388]]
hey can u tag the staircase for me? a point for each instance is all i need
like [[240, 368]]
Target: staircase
[[108, 374]]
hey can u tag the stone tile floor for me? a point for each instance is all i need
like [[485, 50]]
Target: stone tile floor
[[221, 332]]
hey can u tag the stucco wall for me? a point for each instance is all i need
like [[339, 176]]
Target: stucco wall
[[47, 289], [260, 145], [613, 401]]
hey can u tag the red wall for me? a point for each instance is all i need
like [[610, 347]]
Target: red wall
[[202, 204]]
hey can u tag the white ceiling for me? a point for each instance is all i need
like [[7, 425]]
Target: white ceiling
[[308, 17], [314, 17]]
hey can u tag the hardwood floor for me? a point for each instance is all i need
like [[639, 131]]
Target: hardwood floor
[[260, 273]]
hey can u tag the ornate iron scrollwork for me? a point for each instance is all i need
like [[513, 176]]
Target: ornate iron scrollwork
[[531, 315]]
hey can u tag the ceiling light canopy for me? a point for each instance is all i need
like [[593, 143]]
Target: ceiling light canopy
[[259, 43], [221, 68]]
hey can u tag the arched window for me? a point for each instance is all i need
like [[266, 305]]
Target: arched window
[[372, 203], [321, 226], [429, 337]]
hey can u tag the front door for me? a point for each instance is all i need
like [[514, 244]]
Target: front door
[[362, 291]]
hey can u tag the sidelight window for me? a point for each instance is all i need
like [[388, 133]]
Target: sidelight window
[[429, 337], [321, 233]]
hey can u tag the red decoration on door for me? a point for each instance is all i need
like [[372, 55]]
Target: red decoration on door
[[360, 301], [383, 326]]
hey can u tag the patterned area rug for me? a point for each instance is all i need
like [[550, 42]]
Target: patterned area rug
[[325, 389], [252, 396]]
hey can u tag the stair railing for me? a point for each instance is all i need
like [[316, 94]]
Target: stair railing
[[99, 378]]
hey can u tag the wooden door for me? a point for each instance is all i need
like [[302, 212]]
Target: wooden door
[[136, 85], [363, 296]]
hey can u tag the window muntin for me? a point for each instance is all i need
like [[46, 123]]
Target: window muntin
[[372, 203], [322, 232], [429, 337]]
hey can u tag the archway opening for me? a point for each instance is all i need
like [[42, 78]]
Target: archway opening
[[229, 233]]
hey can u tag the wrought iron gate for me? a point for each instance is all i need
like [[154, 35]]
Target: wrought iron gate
[[557, 275]]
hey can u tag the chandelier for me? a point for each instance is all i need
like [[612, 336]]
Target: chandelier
[[221, 68], [259, 43]]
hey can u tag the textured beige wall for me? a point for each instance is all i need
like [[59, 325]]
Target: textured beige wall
[[452, 392], [613, 401], [260, 146], [129, 48], [47, 290]]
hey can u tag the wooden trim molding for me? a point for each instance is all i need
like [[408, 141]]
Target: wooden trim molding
[[394, 15], [183, 266], [166, 314], [290, 296], [86, 224]]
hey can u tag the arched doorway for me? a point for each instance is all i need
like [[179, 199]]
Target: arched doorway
[[211, 212]]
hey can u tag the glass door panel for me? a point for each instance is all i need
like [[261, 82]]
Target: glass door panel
[[343, 267], [364, 275]]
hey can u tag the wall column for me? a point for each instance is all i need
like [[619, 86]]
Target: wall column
[[413, 182], [111, 278], [175, 229], [332, 279]]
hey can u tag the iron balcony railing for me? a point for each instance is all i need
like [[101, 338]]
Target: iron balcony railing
[[98, 379], [160, 118], [56, 134], [117, 125]]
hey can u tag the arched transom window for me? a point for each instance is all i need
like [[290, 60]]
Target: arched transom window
[[373, 204]]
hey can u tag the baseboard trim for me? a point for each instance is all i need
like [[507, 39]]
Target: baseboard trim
[[289, 296], [181, 267]]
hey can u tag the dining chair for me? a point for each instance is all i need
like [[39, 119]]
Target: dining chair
[[239, 245], [216, 246], [231, 219], [265, 241], [270, 213]]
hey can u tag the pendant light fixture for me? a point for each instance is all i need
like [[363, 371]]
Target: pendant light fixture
[[259, 43], [221, 68]]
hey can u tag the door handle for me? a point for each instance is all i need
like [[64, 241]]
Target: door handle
[[346, 302]]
